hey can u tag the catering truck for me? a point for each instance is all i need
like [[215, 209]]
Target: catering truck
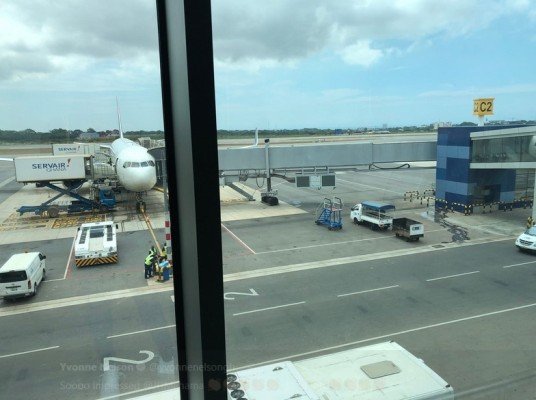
[[96, 243], [65, 168], [383, 371], [372, 213], [408, 228]]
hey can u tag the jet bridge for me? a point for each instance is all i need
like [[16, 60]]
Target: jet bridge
[[316, 160]]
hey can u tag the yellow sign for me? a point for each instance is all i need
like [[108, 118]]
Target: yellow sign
[[483, 106]]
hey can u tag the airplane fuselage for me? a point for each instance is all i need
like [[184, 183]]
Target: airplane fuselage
[[135, 167]]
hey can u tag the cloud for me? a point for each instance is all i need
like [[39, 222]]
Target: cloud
[[251, 35], [361, 54], [43, 37]]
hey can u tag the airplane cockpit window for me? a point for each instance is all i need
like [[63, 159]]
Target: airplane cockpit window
[[126, 164], [144, 164], [135, 165], [151, 163]]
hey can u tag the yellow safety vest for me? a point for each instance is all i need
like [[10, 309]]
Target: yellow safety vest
[[148, 260]]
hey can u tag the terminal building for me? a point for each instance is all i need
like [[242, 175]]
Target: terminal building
[[485, 166]]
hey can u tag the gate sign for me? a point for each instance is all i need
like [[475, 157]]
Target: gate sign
[[483, 106]]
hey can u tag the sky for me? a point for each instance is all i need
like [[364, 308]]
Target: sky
[[278, 64]]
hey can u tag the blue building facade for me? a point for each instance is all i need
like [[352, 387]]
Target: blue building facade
[[459, 187]]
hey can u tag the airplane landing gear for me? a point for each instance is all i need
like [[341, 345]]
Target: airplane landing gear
[[140, 204]]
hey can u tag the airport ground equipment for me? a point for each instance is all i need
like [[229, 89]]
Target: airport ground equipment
[[65, 168], [408, 228], [105, 203], [383, 371], [96, 243], [329, 214], [372, 213]]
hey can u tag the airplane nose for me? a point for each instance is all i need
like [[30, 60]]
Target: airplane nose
[[141, 179]]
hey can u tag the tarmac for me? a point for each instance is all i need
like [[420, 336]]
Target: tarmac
[[15, 228]]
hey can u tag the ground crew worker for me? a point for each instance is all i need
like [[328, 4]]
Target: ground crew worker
[[148, 265], [152, 251], [530, 222], [163, 254]]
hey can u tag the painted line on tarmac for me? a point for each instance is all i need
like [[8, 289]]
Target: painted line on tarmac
[[6, 181], [28, 352], [142, 331], [69, 260], [238, 239], [269, 308], [80, 300], [66, 267], [373, 187], [517, 265], [367, 291], [152, 395], [388, 335], [452, 276], [337, 243], [352, 259]]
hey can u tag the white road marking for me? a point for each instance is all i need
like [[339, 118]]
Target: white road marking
[[69, 259], [106, 360], [386, 336], [352, 260], [30, 351], [6, 181], [140, 291], [338, 243], [115, 396], [516, 265], [142, 331], [77, 300], [367, 291], [269, 308], [373, 187], [66, 267], [251, 292], [238, 239], [452, 276]]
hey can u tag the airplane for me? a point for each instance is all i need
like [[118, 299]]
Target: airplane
[[134, 166]]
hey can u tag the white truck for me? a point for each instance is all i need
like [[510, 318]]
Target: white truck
[[96, 243], [384, 371], [372, 213]]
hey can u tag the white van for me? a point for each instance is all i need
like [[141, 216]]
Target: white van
[[21, 275]]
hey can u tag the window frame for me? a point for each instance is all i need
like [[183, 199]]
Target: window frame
[[189, 111]]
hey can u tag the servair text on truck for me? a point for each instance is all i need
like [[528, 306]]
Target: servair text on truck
[[372, 213], [96, 243], [52, 168]]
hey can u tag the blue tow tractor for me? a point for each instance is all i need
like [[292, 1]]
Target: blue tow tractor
[[328, 213]]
